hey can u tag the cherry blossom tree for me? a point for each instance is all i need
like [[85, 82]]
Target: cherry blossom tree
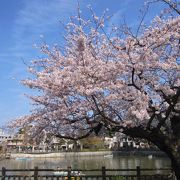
[[97, 82]]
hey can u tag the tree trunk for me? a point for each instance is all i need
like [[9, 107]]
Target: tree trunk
[[75, 145], [167, 144], [175, 163], [176, 168], [171, 150]]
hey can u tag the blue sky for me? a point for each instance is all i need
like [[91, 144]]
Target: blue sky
[[22, 22]]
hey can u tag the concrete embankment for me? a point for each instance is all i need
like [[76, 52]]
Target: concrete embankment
[[99, 153], [60, 154]]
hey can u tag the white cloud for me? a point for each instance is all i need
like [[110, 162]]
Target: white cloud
[[36, 17], [40, 17]]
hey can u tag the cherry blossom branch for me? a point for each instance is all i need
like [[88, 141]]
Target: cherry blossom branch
[[75, 138], [132, 79], [170, 109], [111, 122], [172, 5]]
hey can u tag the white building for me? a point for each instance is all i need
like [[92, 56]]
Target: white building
[[121, 140], [4, 137], [110, 142]]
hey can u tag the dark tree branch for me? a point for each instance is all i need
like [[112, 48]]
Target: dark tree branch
[[174, 101], [75, 138], [133, 82], [172, 5], [151, 119], [110, 121]]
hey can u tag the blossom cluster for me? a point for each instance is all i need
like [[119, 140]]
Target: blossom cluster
[[123, 80]]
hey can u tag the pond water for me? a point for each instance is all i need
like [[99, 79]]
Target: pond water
[[88, 162]]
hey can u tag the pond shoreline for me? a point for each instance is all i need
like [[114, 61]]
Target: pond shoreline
[[140, 153], [98, 153]]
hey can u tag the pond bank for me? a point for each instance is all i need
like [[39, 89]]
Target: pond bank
[[98, 153], [60, 154], [140, 153]]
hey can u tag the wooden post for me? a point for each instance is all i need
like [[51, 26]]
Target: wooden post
[[69, 172], [3, 173], [36, 173], [138, 172], [103, 173]]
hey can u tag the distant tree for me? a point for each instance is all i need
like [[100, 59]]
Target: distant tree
[[128, 83], [92, 142]]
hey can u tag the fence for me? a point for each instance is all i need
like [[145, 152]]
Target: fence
[[91, 174]]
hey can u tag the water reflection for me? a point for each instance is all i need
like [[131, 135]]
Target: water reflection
[[88, 162]]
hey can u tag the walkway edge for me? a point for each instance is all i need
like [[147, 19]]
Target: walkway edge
[[60, 154]]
